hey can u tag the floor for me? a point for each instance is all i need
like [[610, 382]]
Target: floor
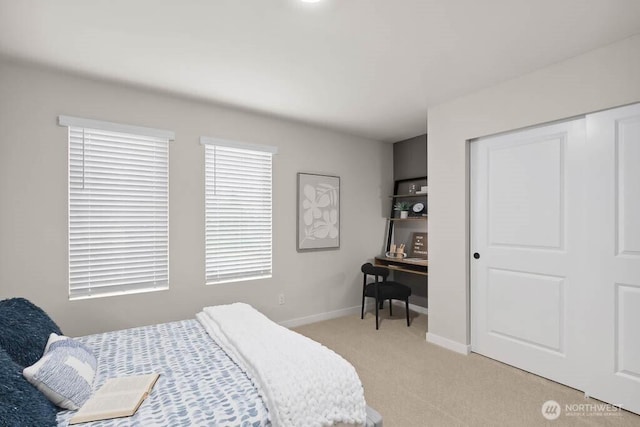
[[414, 383]]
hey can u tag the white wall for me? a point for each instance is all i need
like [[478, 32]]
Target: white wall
[[33, 202], [597, 80]]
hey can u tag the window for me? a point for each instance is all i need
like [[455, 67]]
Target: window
[[118, 208], [238, 210]]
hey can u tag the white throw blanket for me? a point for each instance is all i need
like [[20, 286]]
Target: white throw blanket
[[302, 382]]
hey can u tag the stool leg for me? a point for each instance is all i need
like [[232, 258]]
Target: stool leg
[[390, 304], [376, 315]]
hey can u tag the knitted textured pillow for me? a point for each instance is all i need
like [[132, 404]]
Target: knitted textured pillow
[[20, 403], [65, 373], [24, 330]]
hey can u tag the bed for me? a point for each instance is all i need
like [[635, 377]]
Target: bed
[[207, 381]]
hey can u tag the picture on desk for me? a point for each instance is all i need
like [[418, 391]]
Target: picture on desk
[[419, 246]]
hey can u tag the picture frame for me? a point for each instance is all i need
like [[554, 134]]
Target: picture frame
[[318, 212], [419, 248]]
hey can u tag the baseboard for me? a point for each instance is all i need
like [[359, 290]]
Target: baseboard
[[412, 307], [448, 344], [292, 323], [417, 308]]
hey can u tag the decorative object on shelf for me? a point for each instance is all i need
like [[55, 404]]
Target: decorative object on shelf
[[419, 245], [412, 189], [395, 255], [418, 208], [403, 207], [396, 252], [318, 212]]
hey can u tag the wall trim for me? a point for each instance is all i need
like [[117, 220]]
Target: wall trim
[[412, 307], [300, 321], [419, 309], [448, 344]]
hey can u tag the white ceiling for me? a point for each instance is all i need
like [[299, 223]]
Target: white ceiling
[[367, 67]]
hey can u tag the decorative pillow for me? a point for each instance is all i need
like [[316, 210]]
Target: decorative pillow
[[20, 403], [24, 330], [65, 373]]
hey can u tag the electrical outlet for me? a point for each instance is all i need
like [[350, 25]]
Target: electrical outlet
[[281, 299]]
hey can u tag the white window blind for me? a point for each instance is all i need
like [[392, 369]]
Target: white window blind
[[238, 211], [118, 208]]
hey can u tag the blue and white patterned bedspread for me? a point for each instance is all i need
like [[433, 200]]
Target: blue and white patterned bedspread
[[199, 384]]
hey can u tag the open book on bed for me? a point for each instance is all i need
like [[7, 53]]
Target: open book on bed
[[118, 397]]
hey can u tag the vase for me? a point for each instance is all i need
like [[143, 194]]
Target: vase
[[404, 214]]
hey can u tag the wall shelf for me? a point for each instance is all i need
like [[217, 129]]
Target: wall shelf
[[404, 230], [408, 195]]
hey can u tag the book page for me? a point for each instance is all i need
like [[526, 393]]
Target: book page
[[126, 384], [112, 403], [118, 397]]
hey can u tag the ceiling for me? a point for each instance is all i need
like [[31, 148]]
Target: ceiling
[[367, 67]]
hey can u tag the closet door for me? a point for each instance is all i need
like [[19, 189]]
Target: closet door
[[528, 270], [612, 315]]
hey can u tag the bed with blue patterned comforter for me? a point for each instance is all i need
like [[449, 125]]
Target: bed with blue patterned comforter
[[199, 384]]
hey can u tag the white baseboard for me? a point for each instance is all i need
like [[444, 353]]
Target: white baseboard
[[419, 309], [292, 323], [432, 338], [412, 307], [448, 344]]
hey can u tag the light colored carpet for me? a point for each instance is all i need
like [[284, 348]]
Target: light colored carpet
[[414, 383]]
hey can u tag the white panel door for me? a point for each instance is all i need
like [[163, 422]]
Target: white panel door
[[612, 314], [526, 229]]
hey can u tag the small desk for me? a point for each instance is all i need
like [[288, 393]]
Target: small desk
[[419, 267]]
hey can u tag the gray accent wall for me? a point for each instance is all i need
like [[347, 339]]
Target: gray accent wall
[[410, 161], [410, 158]]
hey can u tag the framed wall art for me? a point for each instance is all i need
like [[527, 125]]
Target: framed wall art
[[318, 212]]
